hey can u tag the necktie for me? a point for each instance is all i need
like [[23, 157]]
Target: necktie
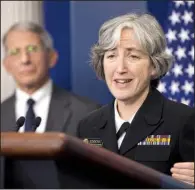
[[122, 129], [30, 116]]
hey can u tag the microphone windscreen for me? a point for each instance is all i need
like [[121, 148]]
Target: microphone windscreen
[[37, 121], [20, 121]]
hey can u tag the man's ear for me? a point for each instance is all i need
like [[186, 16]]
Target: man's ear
[[53, 58], [5, 63]]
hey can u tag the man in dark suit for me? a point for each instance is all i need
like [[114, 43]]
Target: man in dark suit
[[140, 123], [29, 54]]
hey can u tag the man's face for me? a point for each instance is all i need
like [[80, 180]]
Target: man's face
[[27, 60], [128, 69]]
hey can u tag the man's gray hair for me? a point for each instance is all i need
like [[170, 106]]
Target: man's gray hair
[[45, 37], [149, 34]]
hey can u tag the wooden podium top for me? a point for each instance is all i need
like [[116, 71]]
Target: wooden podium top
[[32, 144], [59, 145]]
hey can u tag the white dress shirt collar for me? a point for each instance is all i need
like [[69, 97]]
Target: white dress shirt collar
[[42, 98], [118, 120], [37, 95], [118, 123]]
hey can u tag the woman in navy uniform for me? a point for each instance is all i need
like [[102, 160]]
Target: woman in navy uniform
[[140, 123]]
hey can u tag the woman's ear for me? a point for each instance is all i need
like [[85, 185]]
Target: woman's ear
[[154, 73]]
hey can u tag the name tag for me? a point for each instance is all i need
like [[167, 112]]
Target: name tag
[[94, 141]]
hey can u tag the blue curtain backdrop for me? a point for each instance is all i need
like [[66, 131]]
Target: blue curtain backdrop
[[57, 22], [74, 27]]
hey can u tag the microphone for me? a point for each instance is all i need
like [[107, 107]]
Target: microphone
[[20, 122], [36, 123]]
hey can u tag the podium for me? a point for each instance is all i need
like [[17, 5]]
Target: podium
[[56, 160]]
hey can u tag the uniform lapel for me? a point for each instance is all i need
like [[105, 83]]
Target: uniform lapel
[[146, 120], [106, 128]]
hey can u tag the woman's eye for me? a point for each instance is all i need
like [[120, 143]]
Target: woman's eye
[[134, 57], [110, 56]]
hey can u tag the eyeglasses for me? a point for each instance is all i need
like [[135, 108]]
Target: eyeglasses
[[30, 49]]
